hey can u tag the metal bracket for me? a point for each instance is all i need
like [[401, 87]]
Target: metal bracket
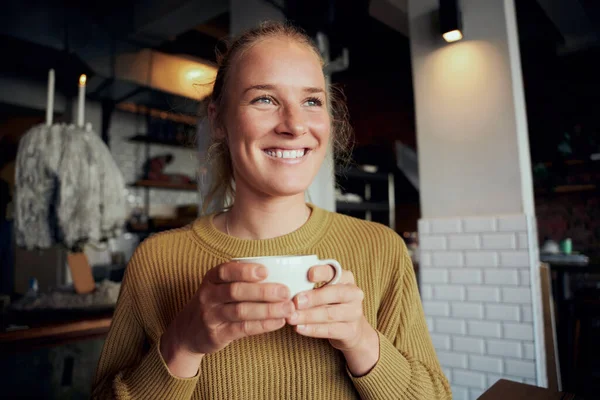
[[341, 63]]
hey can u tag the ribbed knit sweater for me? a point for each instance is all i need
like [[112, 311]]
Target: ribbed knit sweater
[[167, 269]]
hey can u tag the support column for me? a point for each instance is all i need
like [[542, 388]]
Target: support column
[[479, 251]]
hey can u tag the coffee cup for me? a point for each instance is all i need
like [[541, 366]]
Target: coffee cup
[[292, 271]]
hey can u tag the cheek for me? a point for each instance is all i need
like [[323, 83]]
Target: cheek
[[321, 126], [248, 125]]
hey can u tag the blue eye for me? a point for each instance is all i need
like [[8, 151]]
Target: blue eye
[[263, 100], [314, 102]]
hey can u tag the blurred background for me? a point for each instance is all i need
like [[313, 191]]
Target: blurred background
[[147, 66]]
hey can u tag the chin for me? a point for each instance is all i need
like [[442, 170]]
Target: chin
[[287, 190], [285, 187]]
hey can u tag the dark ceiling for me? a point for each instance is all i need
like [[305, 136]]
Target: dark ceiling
[[561, 87]]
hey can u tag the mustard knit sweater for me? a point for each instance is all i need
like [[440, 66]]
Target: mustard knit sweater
[[166, 270]]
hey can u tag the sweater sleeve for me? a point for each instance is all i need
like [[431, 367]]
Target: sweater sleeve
[[408, 367], [129, 366]]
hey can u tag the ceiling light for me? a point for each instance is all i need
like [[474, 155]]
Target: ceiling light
[[452, 36], [450, 21], [195, 74]]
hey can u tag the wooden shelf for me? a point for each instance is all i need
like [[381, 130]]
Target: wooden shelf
[[163, 142], [159, 225], [181, 116], [55, 334], [567, 162], [164, 185], [574, 188], [566, 189], [359, 174], [365, 206]]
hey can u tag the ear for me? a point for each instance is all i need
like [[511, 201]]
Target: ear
[[215, 125]]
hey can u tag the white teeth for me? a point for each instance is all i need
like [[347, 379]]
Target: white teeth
[[286, 153]]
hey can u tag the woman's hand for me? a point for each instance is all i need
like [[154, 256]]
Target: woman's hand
[[335, 312], [230, 304]]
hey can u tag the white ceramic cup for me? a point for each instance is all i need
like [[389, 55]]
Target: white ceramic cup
[[292, 271]]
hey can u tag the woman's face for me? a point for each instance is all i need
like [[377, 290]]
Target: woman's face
[[276, 118]]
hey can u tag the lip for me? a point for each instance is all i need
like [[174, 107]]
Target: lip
[[288, 148]]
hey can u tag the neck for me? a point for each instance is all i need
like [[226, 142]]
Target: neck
[[267, 218]]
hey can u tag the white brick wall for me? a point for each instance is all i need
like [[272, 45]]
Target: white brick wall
[[448, 292], [500, 241], [481, 259], [464, 242], [475, 275], [440, 341], [469, 378], [448, 259], [502, 312], [504, 348], [467, 310], [436, 308], [468, 344], [466, 276], [520, 368]]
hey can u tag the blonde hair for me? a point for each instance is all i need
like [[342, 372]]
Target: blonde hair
[[219, 157]]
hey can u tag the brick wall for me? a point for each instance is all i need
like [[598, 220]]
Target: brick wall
[[476, 291]]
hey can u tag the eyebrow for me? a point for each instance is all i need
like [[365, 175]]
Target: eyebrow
[[308, 89]]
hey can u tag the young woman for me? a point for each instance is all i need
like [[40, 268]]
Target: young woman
[[190, 324]]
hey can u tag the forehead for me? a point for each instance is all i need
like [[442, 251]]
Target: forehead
[[279, 61]]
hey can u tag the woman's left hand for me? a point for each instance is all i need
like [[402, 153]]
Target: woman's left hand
[[332, 312]]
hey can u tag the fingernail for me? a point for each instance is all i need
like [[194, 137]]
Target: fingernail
[[302, 300], [283, 292], [261, 272], [294, 316], [301, 327]]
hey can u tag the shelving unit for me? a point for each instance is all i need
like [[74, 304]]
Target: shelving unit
[[142, 138], [564, 189], [368, 207], [574, 188], [163, 185], [152, 226], [567, 166]]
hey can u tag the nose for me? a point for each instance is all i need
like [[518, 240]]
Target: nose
[[292, 122]]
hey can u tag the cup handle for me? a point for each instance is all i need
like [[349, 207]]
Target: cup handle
[[338, 270]]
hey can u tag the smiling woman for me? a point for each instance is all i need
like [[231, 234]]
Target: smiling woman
[[195, 319], [270, 90]]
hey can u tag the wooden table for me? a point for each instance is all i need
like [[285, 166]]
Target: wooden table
[[505, 389], [53, 333]]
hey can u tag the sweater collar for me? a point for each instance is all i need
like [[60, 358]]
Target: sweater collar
[[295, 242]]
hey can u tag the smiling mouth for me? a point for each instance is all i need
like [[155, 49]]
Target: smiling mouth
[[287, 154]]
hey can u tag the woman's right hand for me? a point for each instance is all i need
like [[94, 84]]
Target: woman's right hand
[[230, 304]]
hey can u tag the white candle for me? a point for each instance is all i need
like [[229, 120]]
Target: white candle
[[81, 101], [50, 100]]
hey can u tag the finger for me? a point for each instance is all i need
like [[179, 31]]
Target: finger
[[325, 273], [346, 312], [244, 291], [336, 330], [238, 330], [334, 294], [237, 272], [321, 273], [246, 311]]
